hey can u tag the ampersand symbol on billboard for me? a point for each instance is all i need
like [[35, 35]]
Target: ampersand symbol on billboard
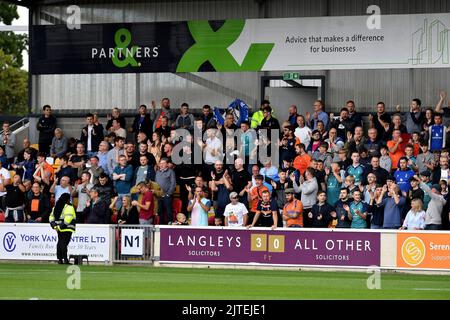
[[122, 39]]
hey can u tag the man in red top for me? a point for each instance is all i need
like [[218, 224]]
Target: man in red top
[[44, 171], [146, 205]]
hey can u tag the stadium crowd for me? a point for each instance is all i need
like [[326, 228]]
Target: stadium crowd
[[331, 172]]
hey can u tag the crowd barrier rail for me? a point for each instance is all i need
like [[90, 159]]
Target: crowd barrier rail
[[176, 245]]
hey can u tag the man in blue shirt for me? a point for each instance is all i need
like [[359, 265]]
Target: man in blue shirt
[[123, 178], [319, 114], [393, 206], [402, 176]]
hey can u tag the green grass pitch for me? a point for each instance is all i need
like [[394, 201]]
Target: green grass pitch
[[48, 281]]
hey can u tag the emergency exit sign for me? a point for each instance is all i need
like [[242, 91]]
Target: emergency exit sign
[[291, 76]]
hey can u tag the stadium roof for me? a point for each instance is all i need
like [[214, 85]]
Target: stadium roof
[[29, 3]]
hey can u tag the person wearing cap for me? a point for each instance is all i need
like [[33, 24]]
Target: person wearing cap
[[433, 217], [292, 210], [235, 213]]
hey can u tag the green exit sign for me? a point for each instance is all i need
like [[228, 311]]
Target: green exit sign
[[291, 76]]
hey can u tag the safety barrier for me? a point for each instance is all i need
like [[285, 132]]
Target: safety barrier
[[175, 245]]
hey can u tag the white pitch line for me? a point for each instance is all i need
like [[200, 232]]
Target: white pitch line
[[432, 289]]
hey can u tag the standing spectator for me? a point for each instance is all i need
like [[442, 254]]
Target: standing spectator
[[373, 144], [114, 154], [26, 167], [393, 206], [333, 179], [303, 132], [157, 116], [415, 219], [118, 130], [91, 135], [403, 175], [155, 146], [321, 212], [115, 115], [266, 212], [335, 143], [123, 178], [14, 200], [220, 187], [46, 126], [37, 206], [255, 193], [322, 154], [293, 115], [241, 181], [165, 178], [258, 116], [65, 170], [105, 189], [357, 211], [144, 172], [8, 140], [442, 172], [356, 169], [385, 159], [142, 122], [414, 118], [207, 117], [380, 120], [353, 114], [319, 114], [309, 189], [79, 159], [343, 220], [433, 217], [425, 160], [303, 159], [127, 214], [380, 173], [185, 120], [395, 148], [269, 122], [44, 172], [63, 187], [199, 207], [292, 210], [94, 169], [376, 212], [235, 212], [437, 134], [81, 191], [164, 129], [95, 210], [146, 205], [213, 148], [343, 124], [102, 156], [59, 144]]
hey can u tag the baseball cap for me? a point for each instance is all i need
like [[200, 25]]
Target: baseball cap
[[289, 190]]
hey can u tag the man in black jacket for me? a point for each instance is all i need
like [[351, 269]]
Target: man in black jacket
[[142, 122], [91, 135], [95, 211], [46, 126]]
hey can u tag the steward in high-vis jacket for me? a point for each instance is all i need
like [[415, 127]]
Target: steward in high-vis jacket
[[63, 220]]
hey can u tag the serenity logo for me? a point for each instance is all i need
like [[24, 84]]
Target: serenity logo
[[212, 46], [122, 55]]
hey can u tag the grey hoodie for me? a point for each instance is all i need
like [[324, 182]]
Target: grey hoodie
[[309, 191]]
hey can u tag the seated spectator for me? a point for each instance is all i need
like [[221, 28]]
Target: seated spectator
[[14, 200], [127, 213], [26, 145], [3, 158], [59, 145], [115, 115], [117, 129], [181, 220]]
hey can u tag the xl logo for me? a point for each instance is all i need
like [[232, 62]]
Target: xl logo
[[9, 242], [213, 46]]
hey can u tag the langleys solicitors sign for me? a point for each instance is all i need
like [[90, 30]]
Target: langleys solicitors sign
[[270, 247]]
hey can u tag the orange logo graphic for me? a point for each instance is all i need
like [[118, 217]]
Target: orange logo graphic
[[413, 251]]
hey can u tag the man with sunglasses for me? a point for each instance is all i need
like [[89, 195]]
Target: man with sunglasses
[[235, 212]]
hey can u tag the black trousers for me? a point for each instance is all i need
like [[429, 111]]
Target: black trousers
[[63, 243]]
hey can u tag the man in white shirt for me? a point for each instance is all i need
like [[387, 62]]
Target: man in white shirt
[[235, 212], [213, 147], [302, 132]]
